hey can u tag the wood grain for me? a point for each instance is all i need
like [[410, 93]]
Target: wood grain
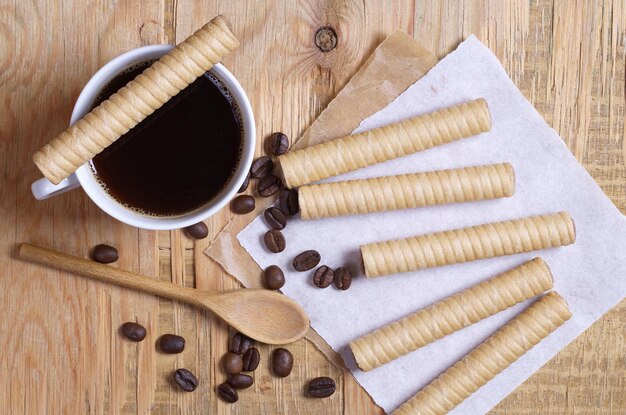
[[63, 350], [59, 331]]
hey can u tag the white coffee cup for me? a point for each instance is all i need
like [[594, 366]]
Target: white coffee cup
[[84, 176]]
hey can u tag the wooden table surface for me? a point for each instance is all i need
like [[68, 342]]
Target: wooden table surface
[[61, 352]]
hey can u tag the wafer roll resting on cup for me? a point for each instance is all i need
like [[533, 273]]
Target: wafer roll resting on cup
[[490, 358], [468, 244], [406, 191], [451, 314], [349, 153], [134, 102]]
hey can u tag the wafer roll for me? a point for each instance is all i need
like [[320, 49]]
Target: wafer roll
[[452, 314], [135, 101], [352, 152], [490, 358], [406, 191], [468, 244]]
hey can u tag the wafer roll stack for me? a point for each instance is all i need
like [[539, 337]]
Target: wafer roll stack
[[406, 191], [468, 244], [349, 153], [490, 358], [452, 314], [135, 101]]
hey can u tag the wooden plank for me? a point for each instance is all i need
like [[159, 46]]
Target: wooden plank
[[574, 75], [506, 28], [59, 332], [568, 59], [289, 82]]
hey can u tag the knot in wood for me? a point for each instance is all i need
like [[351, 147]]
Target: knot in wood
[[326, 38]]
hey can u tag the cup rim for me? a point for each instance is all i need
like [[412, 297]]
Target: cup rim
[[114, 208]]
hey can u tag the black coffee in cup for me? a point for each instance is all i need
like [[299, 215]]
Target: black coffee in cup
[[178, 158]]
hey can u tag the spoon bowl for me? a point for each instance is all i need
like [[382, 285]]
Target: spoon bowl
[[277, 318]]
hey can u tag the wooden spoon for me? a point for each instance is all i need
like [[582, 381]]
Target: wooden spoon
[[264, 315]]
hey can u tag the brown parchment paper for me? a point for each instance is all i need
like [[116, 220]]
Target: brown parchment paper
[[397, 63]]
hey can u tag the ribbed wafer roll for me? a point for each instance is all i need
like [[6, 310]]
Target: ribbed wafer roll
[[134, 102], [405, 191], [451, 314], [490, 358], [349, 153], [468, 244]]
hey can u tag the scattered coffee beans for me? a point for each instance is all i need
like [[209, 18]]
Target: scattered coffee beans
[[244, 185], [197, 230], [273, 277], [227, 393], [242, 204], [277, 144], [275, 218], [288, 201], [321, 387], [171, 343], [282, 362], [105, 254], [269, 185], [251, 359], [343, 278], [186, 380], [261, 167], [275, 241], [323, 276], [240, 381], [134, 331], [240, 343], [232, 363], [306, 260]]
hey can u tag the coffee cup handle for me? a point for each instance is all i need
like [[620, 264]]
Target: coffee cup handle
[[45, 189]]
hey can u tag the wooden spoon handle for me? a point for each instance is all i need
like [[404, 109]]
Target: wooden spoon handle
[[110, 274]]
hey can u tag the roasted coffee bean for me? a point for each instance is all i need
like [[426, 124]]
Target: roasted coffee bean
[[171, 343], [275, 218], [242, 204], [275, 241], [321, 387], [240, 343], [282, 362], [227, 393], [197, 230], [277, 144], [105, 254], [269, 185], [288, 201], [261, 167], [134, 331], [186, 380], [306, 260], [323, 276], [343, 278], [251, 359], [232, 363], [273, 277], [244, 185], [240, 381]]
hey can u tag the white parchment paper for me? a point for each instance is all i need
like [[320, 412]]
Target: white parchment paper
[[591, 274]]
